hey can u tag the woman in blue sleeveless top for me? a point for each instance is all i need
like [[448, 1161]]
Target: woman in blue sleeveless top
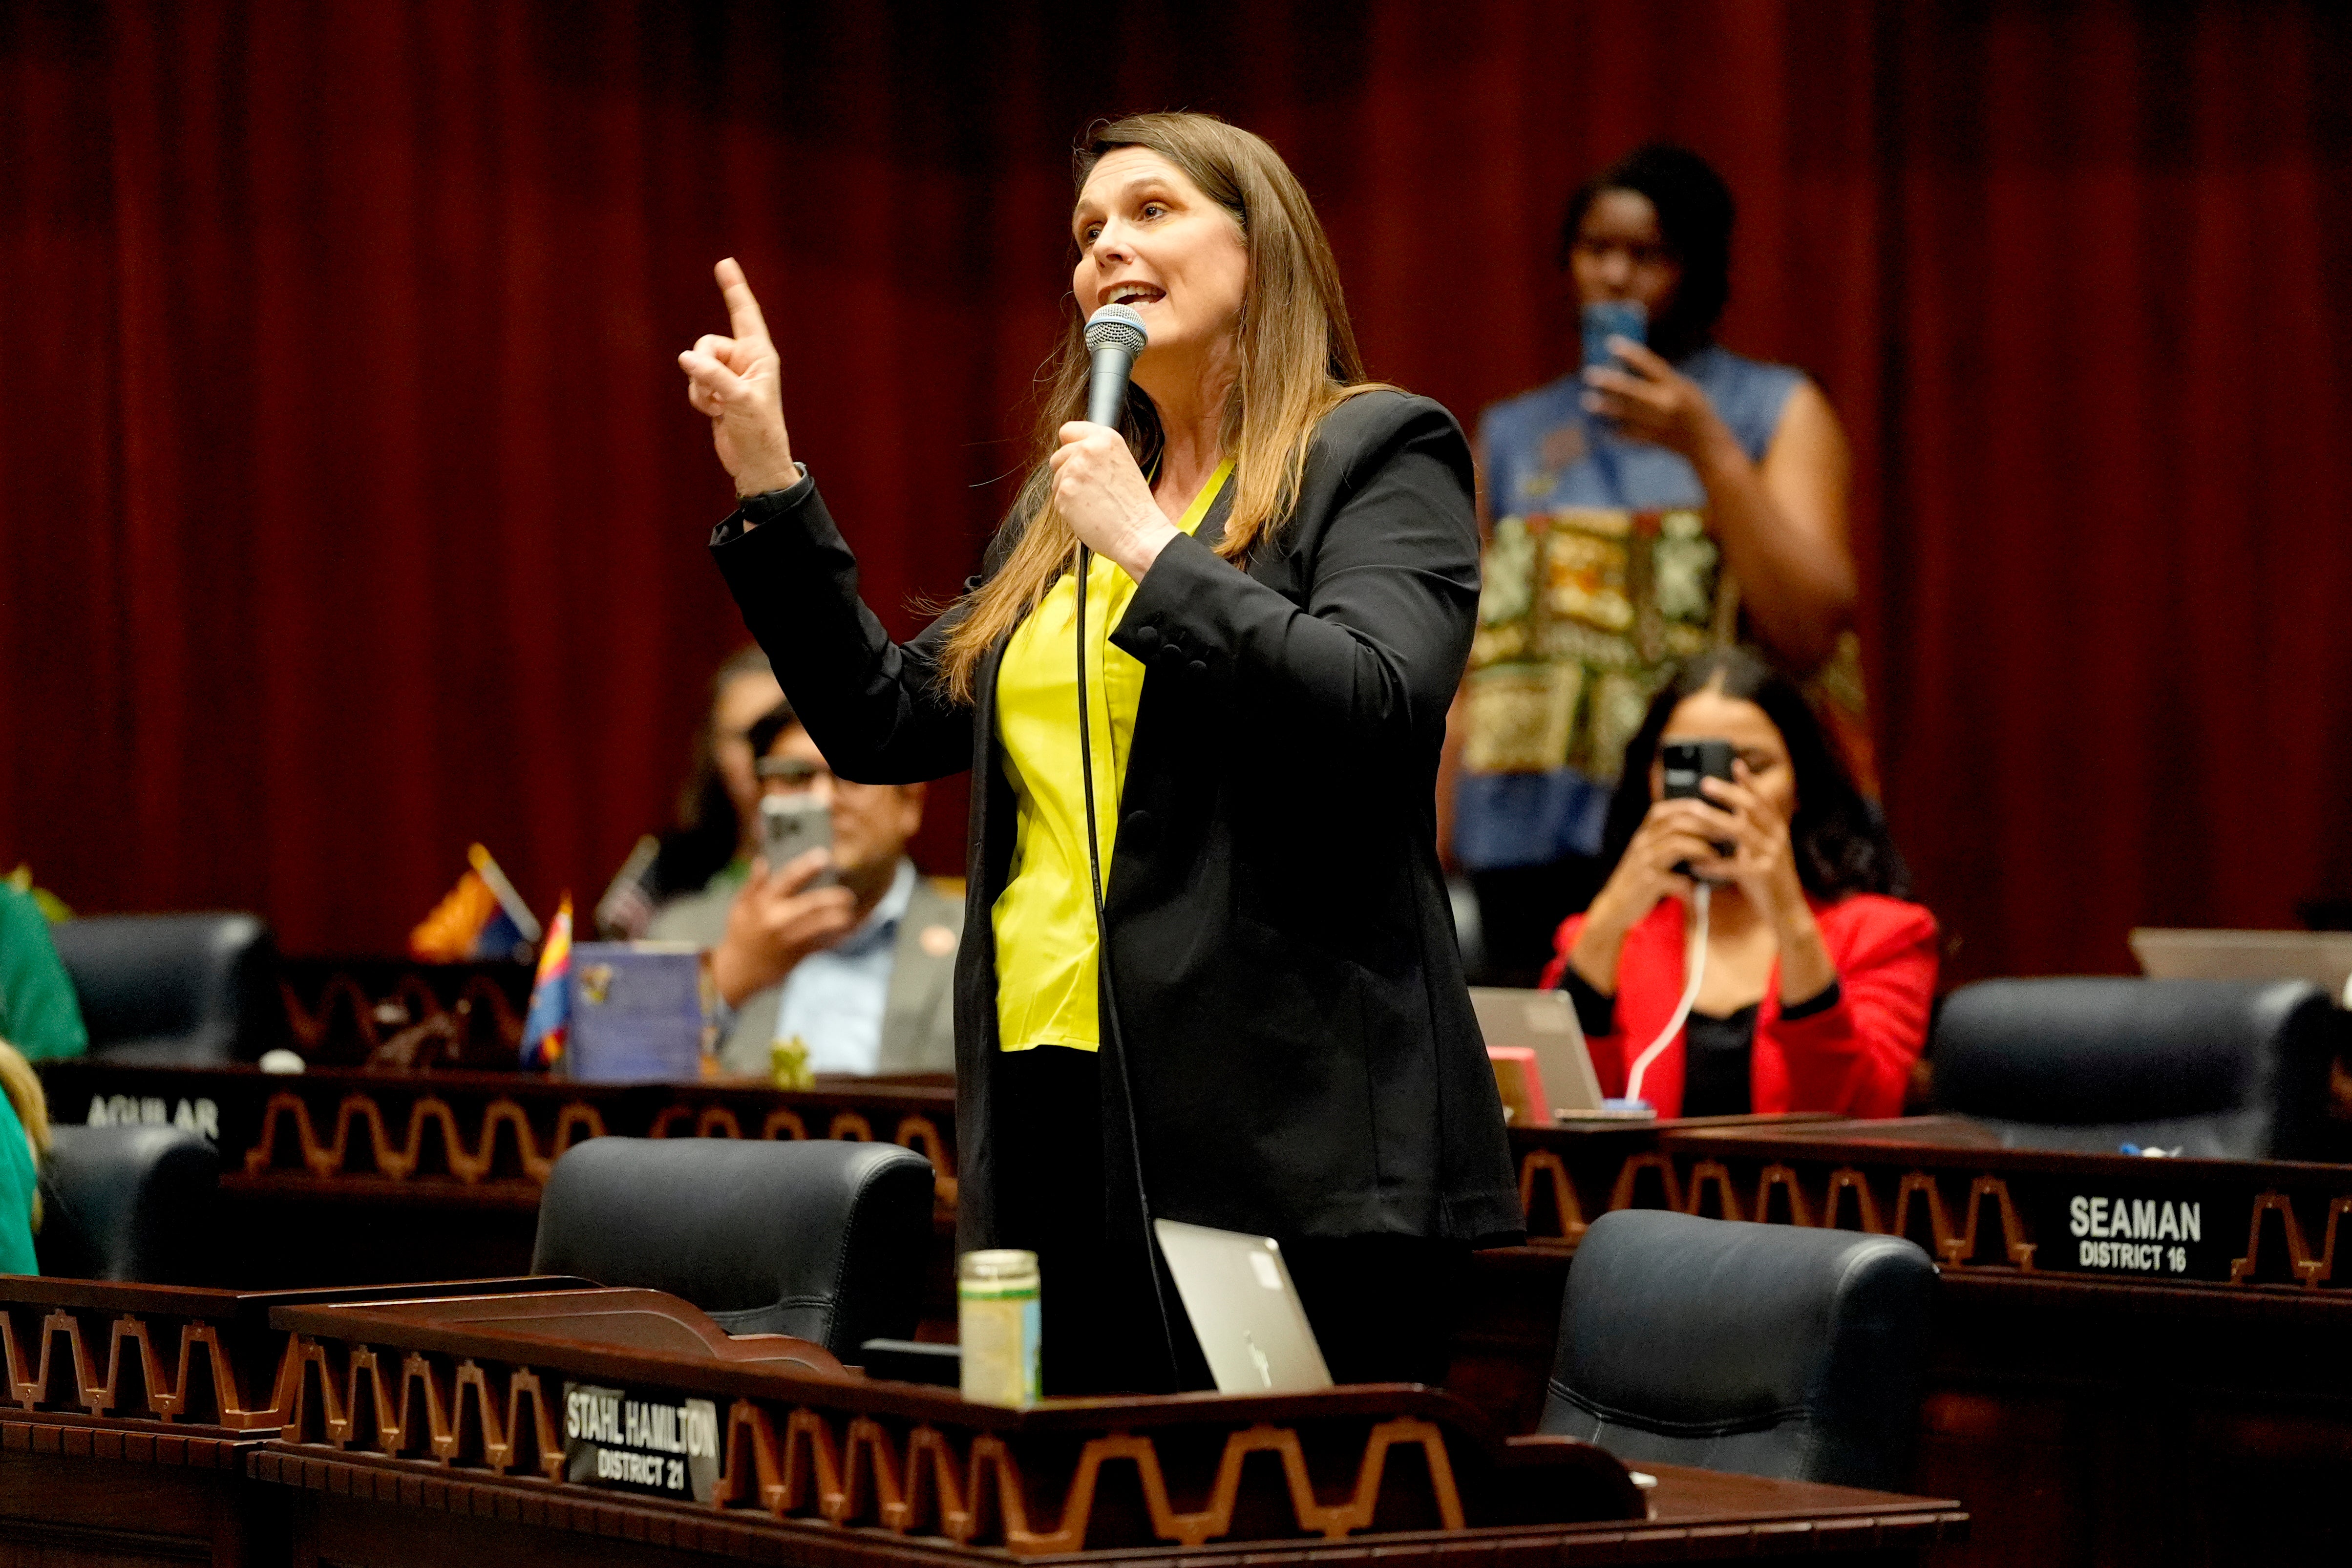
[[1680, 498]]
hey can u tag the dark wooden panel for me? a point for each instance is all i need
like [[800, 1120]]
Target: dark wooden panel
[[69, 1498], [356, 1515]]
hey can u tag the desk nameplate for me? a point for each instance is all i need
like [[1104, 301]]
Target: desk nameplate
[[628, 1440], [1974, 1204]]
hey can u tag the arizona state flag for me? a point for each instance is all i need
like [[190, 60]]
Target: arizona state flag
[[551, 993]]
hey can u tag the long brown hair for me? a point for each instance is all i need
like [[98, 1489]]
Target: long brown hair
[[23, 1087], [1297, 354]]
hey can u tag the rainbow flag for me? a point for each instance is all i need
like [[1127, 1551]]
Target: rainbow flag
[[551, 993]]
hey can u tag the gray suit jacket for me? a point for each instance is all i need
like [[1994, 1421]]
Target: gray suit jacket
[[918, 1014]]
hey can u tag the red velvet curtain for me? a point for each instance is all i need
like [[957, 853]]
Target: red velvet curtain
[[352, 510]]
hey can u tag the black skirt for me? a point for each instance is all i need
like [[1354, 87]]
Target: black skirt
[[1381, 1306]]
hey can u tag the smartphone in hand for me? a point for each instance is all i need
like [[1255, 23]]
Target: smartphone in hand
[[1683, 763], [1606, 319], [789, 827], [1687, 762]]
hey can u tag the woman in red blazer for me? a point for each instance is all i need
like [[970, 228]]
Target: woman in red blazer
[[1818, 976]]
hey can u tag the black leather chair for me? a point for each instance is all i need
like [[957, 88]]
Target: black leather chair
[[193, 990], [2212, 1068], [825, 1241], [1771, 1350], [127, 1203]]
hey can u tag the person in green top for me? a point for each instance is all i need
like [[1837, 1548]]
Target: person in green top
[[39, 1013], [23, 1135]]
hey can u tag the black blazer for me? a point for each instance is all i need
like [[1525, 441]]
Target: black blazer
[[1290, 995]]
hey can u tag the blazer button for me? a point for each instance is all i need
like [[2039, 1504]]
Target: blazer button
[[1139, 830], [1171, 654], [1200, 667], [1147, 638]]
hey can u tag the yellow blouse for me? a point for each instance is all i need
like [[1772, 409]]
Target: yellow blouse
[[1044, 919]]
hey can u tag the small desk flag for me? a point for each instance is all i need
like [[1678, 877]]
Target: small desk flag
[[482, 917], [550, 995]]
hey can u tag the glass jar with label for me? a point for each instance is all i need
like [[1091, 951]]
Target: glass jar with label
[[997, 1321]]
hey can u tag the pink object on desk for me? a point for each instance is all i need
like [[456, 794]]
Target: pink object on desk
[[1520, 1083]]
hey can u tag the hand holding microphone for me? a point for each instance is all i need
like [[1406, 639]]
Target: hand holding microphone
[[737, 384], [1097, 489]]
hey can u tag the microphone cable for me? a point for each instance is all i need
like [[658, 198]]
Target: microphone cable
[[1106, 996], [1695, 962]]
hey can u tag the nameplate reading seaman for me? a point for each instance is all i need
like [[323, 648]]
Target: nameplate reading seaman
[[654, 1444], [2158, 1236]]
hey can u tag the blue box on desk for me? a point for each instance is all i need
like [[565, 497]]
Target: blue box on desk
[[637, 1013]]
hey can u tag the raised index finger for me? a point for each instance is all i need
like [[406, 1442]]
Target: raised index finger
[[743, 310]]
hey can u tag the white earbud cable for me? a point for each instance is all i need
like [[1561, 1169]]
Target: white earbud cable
[[1694, 961]]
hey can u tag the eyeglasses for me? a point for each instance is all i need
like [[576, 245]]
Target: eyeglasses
[[794, 773]]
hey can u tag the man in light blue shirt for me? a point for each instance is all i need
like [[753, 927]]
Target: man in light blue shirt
[[833, 1000], [860, 972]]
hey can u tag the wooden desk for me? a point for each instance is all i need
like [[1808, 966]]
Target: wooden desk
[[166, 1425], [357, 1513], [843, 1471], [2091, 1414], [433, 1176], [128, 1415], [2108, 1398], [425, 1175], [344, 1176]]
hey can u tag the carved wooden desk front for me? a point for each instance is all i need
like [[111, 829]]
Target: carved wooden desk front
[[342, 1175], [146, 1424], [812, 1468], [128, 1413]]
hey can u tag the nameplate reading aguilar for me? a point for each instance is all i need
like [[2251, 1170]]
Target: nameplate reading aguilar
[[654, 1444]]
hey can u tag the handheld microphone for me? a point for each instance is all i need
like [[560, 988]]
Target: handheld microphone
[[1115, 336]]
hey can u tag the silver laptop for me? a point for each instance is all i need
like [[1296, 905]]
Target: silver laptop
[[2321, 957], [1545, 1021], [1245, 1312]]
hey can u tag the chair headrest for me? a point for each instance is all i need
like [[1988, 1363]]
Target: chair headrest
[[821, 1239], [128, 1203], [2102, 1050], [1758, 1316], [172, 987]]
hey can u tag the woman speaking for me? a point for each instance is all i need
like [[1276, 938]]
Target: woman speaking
[[1270, 1025]]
